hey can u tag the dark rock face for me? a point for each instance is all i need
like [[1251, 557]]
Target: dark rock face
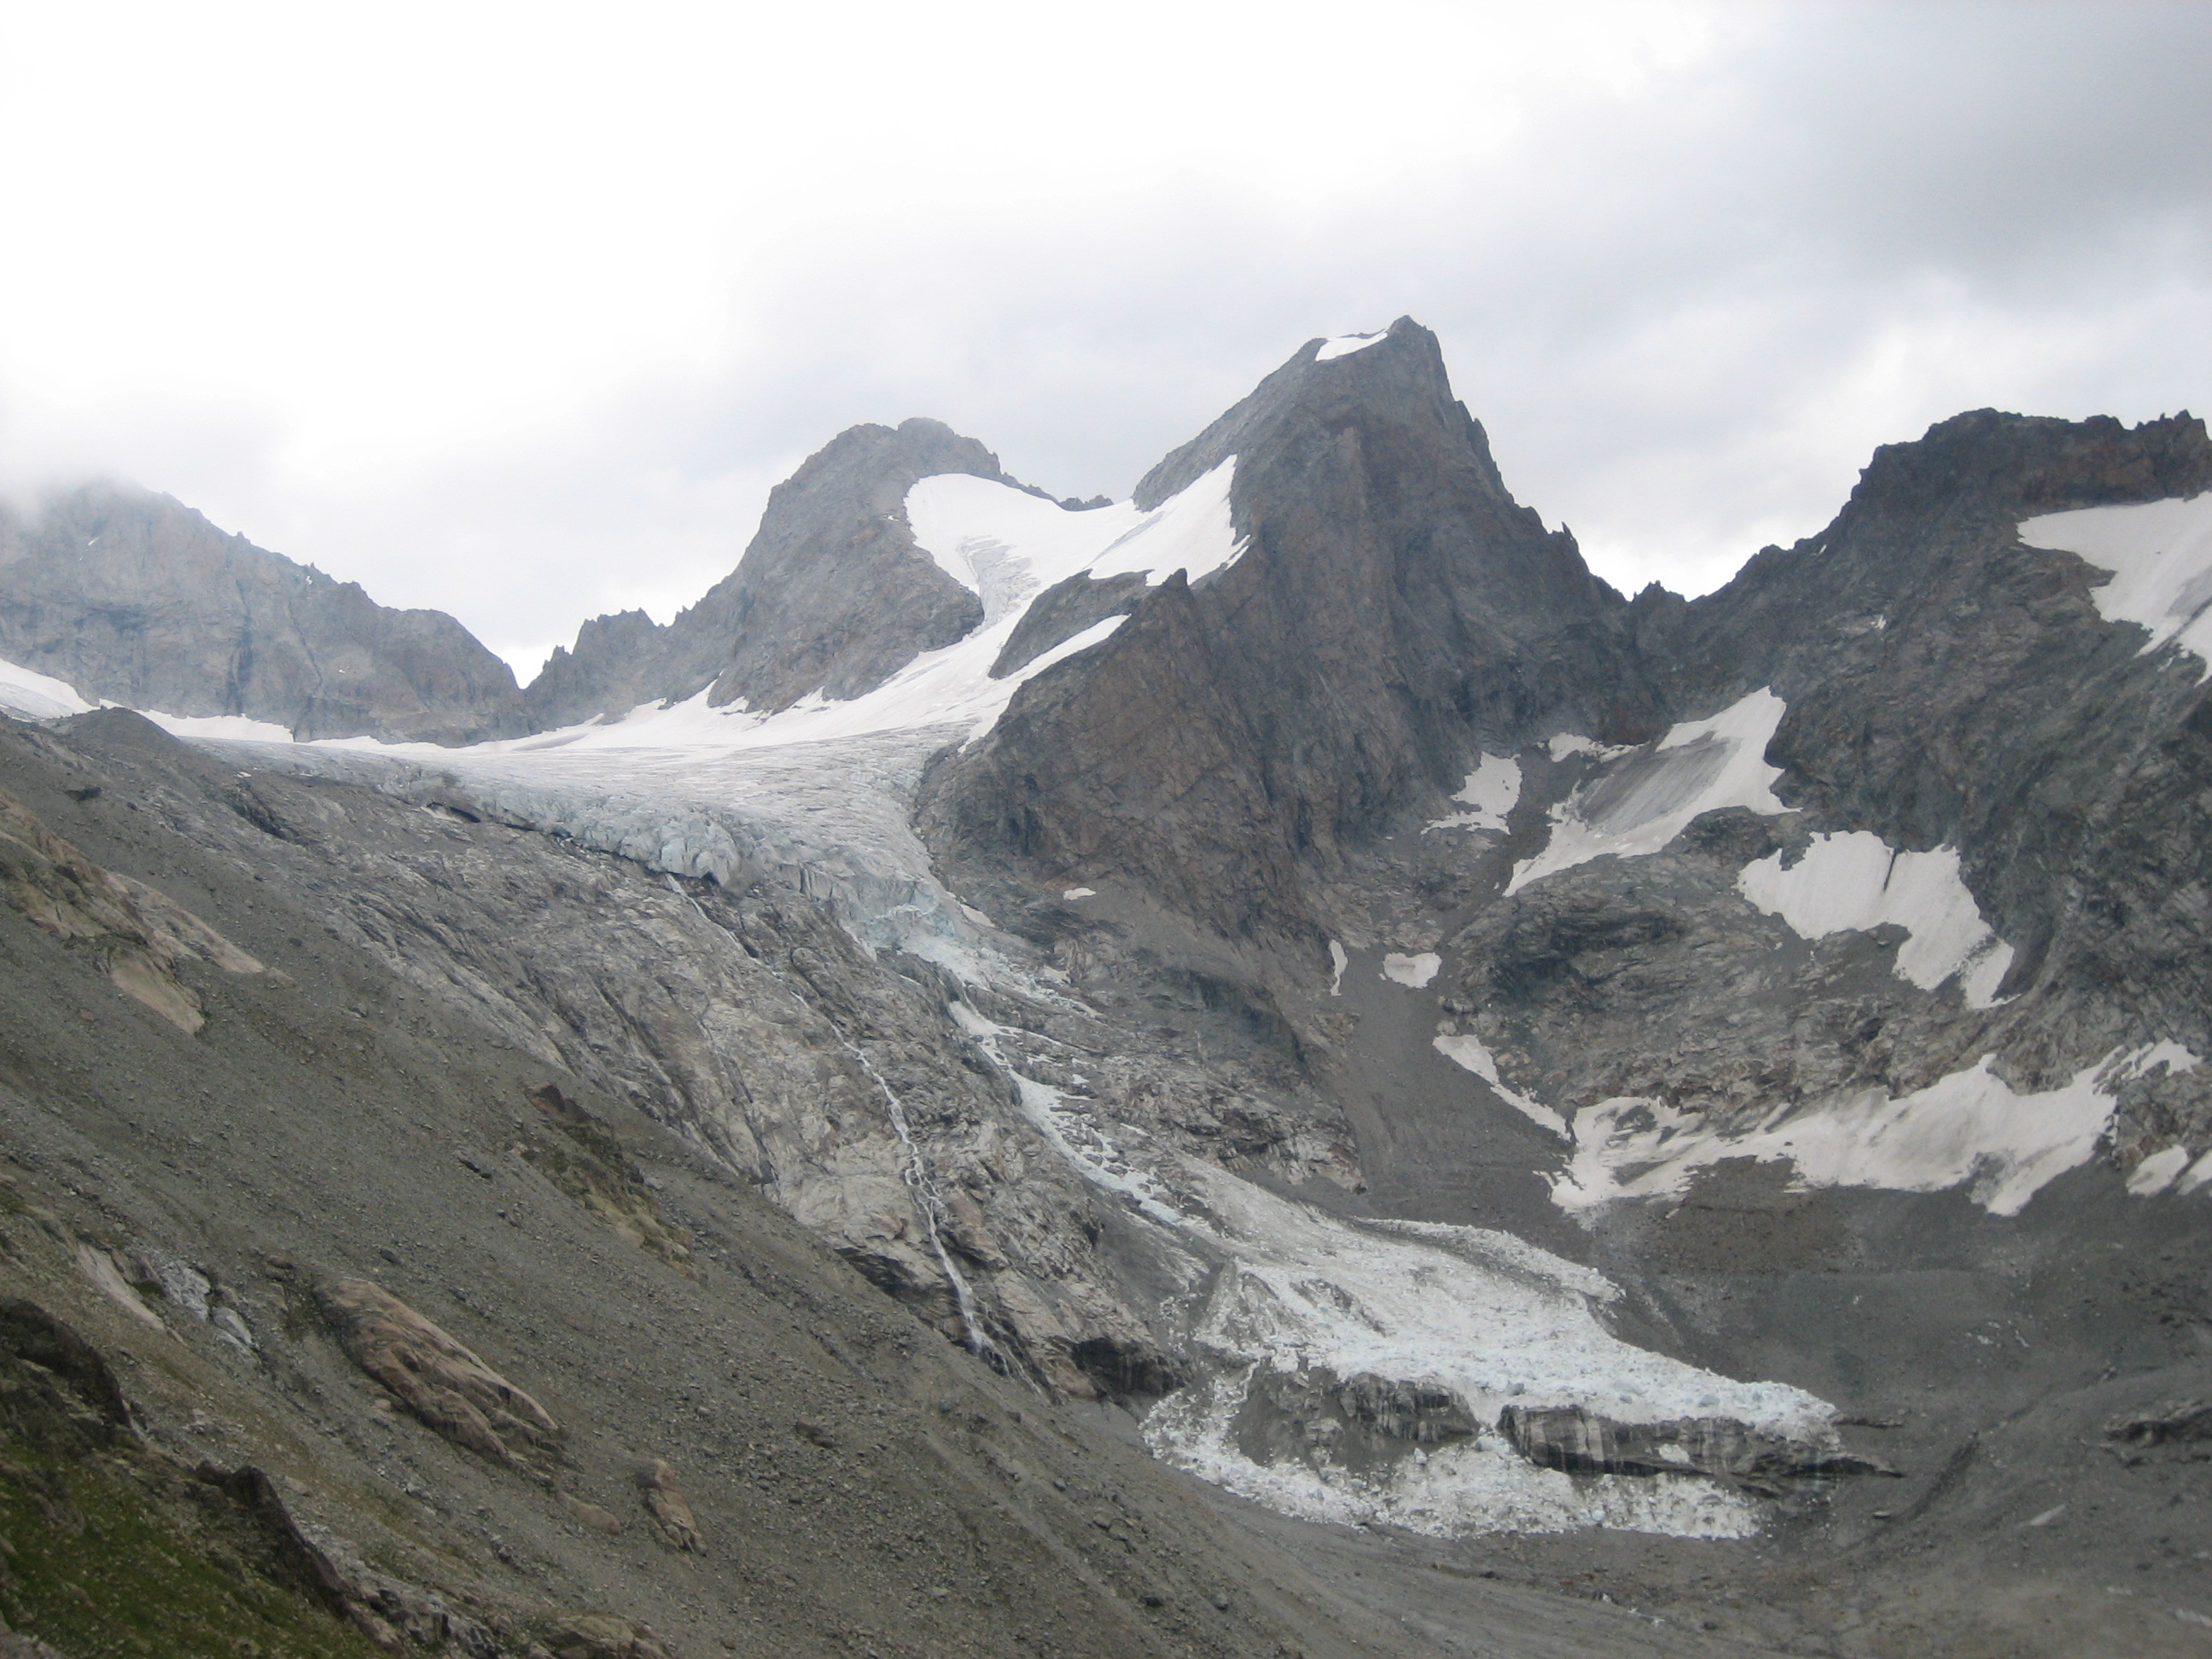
[[1574, 1441], [1061, 612], [131, 596], [1356, 1422], [832, 595], [1395, 609]]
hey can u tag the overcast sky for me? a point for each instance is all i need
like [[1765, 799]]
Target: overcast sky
[[518, 310]]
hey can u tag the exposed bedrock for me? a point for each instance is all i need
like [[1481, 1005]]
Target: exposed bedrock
[[1577, 1441], [832, 595], [1394, 610], [132, 597]]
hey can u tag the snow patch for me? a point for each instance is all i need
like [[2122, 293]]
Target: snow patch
[[30, 695], [1490, 794], [231, 728], [1345, 344], [1856, 882], [2160, 554], [1007, 545], [1070, 895], [1970, 1128], [1642, 799], [1468, 1050], [1338, 962], [1415, 971], [2158, 1171]]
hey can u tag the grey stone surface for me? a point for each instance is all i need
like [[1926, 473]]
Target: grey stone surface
[[134, 598], [832, 595]]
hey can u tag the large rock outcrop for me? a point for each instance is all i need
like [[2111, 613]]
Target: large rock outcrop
[[832, 595], [1394, 610], [134, 598]]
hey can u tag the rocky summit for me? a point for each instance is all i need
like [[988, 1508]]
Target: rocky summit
[[1273, 1068]]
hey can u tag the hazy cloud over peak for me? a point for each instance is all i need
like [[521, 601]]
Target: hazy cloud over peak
[[519, 312]]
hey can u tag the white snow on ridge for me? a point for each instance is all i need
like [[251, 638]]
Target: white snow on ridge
[[1856, 882], [1345, 344], [1007, 545], [1642, 800], [2160, 554], [1970, 1128], [1490, 794], [31, 695]]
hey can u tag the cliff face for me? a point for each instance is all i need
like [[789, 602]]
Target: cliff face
[[1394, 611], [133, 597], [832, 596]]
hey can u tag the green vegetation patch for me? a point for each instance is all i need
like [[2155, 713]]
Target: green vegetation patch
[[107, 1548], [585, 1161]]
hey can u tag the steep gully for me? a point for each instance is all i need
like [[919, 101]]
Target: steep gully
[[1276, 732]]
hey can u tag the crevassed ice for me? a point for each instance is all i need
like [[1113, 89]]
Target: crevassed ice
[[1857, 881], [2160, 554], [1492, 1320], [1642, 800], [1270, 1285], [1970, 1128], [1490, 794], [1007, 546]]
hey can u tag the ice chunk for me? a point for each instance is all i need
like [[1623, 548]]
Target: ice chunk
[[1856, 882], [1414, 970], [2158, 1171], [1641, 800], [2160, 554]]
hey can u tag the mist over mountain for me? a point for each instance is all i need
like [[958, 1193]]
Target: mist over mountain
[[1271, 1068]]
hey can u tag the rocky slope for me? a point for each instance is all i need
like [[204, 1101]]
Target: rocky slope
[[1701, 1101], [346, 1323], [132, 598]]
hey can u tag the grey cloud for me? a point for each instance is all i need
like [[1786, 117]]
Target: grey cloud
[[1686, 317]]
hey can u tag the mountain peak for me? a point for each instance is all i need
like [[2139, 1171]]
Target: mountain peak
[[1400, 370]]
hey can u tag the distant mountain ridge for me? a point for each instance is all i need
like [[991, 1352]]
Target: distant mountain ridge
[[133, 597], [831, 597]]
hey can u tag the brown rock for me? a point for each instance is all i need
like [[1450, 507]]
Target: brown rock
[[604, 1636], [437, 1378], [672, 1520], [146, 934], [592, 1515]]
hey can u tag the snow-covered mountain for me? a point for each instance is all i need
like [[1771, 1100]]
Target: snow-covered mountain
[[1434, 1041]]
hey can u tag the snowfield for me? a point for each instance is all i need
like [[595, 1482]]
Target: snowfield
[[1970, 1129], [1007, 545], [2160, 554], [1858, 882], [1642, 799]]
